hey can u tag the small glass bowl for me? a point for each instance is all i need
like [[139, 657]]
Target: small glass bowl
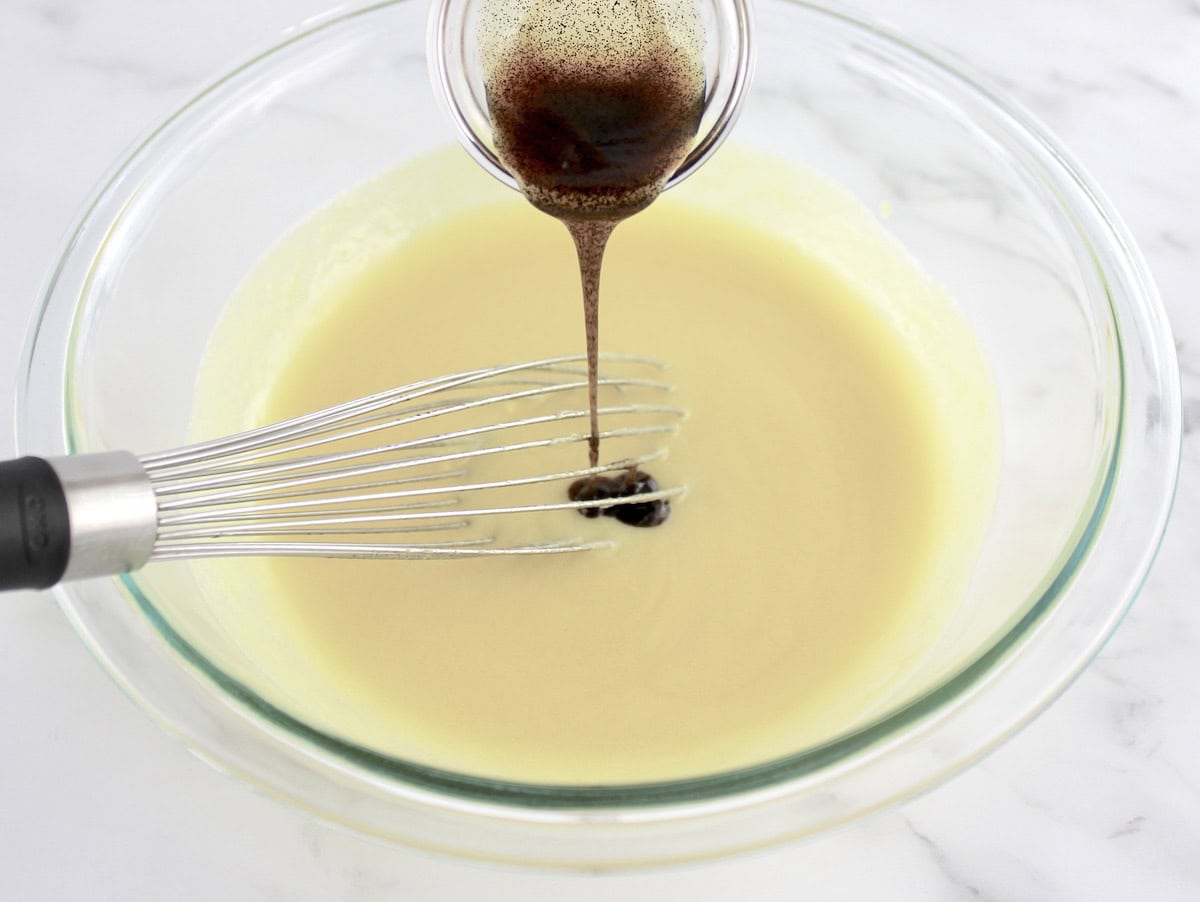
[[457, 77], [1039, 263]]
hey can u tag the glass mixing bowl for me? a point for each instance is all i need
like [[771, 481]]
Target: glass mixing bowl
[[991, 207]]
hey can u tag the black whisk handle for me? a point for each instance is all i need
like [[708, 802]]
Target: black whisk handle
[[35, 529]]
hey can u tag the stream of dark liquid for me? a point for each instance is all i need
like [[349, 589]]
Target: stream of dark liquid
[[591, 239], [592, 150]]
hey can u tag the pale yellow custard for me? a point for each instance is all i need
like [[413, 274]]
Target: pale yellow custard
[[839, 454]]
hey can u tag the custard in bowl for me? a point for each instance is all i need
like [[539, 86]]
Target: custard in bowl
[[923, 477]]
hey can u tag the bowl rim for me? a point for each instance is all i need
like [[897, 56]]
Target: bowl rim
[[1147, 372]]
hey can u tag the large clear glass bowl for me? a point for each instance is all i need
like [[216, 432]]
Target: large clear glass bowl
[[987, 202]]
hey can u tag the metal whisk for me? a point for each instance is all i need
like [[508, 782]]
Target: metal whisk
[[338, 482]]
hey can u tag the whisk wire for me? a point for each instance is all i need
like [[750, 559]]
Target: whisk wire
[[270, 504], [340, 413], [241, 494]]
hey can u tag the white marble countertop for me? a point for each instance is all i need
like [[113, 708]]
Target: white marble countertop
[[1099, 799]]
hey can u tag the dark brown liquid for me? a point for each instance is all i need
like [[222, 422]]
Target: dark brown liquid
[[624, 485], [592, 150], [591, 238], [594, 147]]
